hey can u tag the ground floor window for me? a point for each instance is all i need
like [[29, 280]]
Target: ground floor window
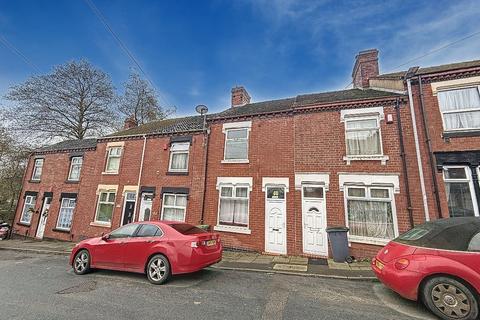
[[65, 216], [370, 212], [233, 207], [28, 208], [105, 206], [460, 191], [174, 207]]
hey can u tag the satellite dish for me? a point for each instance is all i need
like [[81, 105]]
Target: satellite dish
[[202, 109]]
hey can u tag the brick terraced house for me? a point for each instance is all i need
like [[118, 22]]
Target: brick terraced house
[[392, 152]]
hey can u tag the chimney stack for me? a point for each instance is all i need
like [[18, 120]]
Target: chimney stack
[[366, 67], [130, 123], [240, 96]]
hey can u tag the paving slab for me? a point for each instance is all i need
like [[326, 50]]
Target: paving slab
[[299, 260], [281, 259], [290, 267]]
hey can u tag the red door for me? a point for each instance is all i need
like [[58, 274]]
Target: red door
[[137, 249]]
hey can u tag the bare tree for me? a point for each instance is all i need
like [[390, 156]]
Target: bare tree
[[140, 101], [73, 102]]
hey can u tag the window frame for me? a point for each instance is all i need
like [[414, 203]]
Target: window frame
[[75, 164], [378, 127], [175, 206], [60, 213], [457, 111], [33, 202], [468, 179], [368, 197], [104, 223], [172, 153], [142, 225], [109, 156], [234, 227], [247, 139], [36, 168]]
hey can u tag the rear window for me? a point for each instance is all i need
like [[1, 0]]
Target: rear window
[[186, 229], [415, 233]]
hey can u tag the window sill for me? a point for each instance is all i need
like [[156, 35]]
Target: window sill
[[177, 173], [373, 241], [34, 181], [72, 181], [461, 133], [24, 224], [349, 159], [99, 224], [235, 161], [61, 230], [109, 173], [233, 229]]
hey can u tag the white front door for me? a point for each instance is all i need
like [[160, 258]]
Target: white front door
[[146, 207], [43, 217], [275, 220], [314, 220]]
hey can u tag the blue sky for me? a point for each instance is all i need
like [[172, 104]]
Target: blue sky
[[196, 51]]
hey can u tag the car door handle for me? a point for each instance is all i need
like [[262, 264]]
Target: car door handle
[[150, 241]]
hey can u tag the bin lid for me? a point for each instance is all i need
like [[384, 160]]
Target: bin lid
[[337, 229]]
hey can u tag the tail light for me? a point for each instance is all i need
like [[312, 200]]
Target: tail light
[[402, 263]]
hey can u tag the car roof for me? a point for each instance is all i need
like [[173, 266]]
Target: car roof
[[446, 234]]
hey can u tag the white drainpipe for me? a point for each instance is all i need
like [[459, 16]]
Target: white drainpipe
[[140, 172], [417, 149]]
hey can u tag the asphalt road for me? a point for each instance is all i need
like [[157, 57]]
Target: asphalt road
[[34, 286]]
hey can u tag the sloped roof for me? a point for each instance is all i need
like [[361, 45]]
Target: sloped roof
[[433, 69], [70, 145], [303, 100], [174, 125]]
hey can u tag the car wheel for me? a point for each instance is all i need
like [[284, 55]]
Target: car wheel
[[158, 269], [81, 262], [450, 299]]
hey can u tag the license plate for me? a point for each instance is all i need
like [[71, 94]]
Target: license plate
[[211, 242], [379, 265]]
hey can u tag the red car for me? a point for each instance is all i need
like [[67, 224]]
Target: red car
[[157, 248], [437, 263]]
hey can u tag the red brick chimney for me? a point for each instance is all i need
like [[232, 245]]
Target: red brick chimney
[[366, 66], [130, 123], [240, 96]]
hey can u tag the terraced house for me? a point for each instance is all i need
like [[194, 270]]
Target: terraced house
[[271, 176]]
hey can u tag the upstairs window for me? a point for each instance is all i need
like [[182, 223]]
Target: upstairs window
[[65, 216], [363, 136], [460, 108], [460, 191], [113, 159], [37, 169], [75, 168], [179, 157], [236, 144]]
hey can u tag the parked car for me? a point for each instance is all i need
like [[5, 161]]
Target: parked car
[[4, 230], [437, 263], [158, 248]]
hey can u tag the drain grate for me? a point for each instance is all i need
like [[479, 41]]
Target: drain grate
[[83, 287], [318, 261]]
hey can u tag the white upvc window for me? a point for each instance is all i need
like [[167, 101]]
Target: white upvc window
[[370, 214], [179, 157], [236, 142], [75, 168], [105, 207], [28, 207], [37, 169], [174, 207], [113, 159], [460, 191], [65, 215], [460, 108], [233, 206]]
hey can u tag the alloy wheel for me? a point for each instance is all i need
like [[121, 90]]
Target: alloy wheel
[[450, 300], [81, 262], [157, 269]]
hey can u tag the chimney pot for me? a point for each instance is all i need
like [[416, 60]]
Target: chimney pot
[[366, 67], [130, 123], [240, 96]]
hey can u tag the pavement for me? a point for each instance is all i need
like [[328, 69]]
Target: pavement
[[37, 286], [240, 261]]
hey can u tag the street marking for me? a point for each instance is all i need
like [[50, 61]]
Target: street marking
[[290, 267]]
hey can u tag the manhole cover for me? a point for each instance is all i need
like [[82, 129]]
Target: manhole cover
[[83, 287], [290, 267]]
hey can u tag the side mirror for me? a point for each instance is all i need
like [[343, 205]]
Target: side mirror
[[105, 237]]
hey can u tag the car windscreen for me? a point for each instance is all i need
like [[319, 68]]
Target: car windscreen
[[445, 235], [186, 229]]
